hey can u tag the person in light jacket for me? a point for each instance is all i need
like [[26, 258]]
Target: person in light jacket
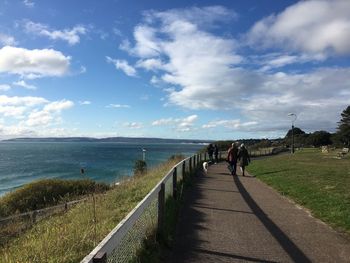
[[243, 158]]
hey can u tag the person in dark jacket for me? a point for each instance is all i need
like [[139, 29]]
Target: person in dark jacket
[[243, 158], [232, 154], [216, 153], [210, 150]]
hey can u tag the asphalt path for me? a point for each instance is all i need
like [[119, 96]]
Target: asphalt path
[[240, 219]]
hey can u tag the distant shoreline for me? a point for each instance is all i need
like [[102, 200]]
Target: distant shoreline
[[108, 139]]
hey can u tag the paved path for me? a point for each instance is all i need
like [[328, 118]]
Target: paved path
[[240, 219]]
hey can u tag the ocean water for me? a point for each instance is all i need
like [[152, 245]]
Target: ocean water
[[24, 162]]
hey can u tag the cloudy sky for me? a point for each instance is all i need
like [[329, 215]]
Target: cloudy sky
[[172, 69]]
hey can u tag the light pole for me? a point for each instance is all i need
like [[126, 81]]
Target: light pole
[[294, 117], [143, 154]]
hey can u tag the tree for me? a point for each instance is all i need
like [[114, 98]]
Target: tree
[[343, 130], [140, 167], [319, 138], [296, 130]]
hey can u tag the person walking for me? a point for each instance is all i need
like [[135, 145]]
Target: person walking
[[243, 158], [210, 150], [216, 153], [232, 155]]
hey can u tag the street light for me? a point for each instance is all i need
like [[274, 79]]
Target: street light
[[294, 117], [144, 154]]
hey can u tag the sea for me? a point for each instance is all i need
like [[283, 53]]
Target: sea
[[109, 162]]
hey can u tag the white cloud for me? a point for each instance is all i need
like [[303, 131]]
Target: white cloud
[[180, 124], [33, 63], [25, 85], [203, 71], [198, 62], [12, 111], [32, 113], [133, 125], [162, 122], [58, 106], [278, 60], [71, 35], [123, 65], [230, 124], [29, 3], [117, 106], [315, 26], [150, 64], [49, 114], [17, 106], [85, 102], [5, 87], [28, 101], [7, 40]]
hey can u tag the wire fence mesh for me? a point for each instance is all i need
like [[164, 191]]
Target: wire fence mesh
[[143, 229]]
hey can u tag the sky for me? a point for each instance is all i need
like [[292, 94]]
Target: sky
[[172, 69]]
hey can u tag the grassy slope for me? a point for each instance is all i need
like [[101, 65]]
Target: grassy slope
[[315, 180], [69, 237]]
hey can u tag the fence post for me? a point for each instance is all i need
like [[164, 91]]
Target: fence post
[[161, 208], [190, 163], [184, 170], [100, 257], [175, 183], [34, 216]]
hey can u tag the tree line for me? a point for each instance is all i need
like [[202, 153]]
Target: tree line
[[341, 138]]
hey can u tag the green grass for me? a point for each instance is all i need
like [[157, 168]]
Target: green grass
[[315, 180], [69, 237]]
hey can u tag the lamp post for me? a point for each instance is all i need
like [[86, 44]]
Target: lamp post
[[143, 154], [294, 117]]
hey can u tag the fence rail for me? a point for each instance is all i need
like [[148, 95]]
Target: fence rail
[[38, 214]]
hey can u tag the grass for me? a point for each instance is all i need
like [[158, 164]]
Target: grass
[[315, 180], [46, 192], [69, 237], [155, 249]]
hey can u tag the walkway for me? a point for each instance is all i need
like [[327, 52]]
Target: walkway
[[240, 219]]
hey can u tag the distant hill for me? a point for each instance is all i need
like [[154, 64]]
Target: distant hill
[[110, 139]]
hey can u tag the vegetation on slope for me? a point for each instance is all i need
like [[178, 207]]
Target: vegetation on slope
[[69, 237], [46, 192]]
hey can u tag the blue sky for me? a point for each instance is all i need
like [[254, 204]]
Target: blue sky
[[172, 69]]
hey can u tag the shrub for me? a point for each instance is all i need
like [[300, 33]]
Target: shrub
[[140, 167], [176, 157], [44, 193]]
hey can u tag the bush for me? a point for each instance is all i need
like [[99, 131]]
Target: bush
[[176, 157], [44, 193], [140, 167]]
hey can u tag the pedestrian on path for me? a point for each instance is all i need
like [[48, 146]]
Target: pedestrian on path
[[216, 153], [232, 155], [210, 150], [243, 157]]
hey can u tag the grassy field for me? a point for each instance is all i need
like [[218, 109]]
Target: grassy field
[[69, 237], [315, 180]]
